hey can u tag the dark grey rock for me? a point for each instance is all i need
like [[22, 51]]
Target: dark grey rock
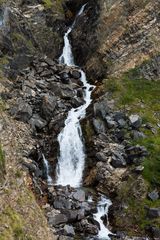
[[155, 232], [49, 61], [79, 195], [118, 116], [62, 203], [110, 122], [121, 123], [154, 195], [137, 134], [75, 74], [46, 73], [33, 169], [153, 213], [101, 156], [22, 110], [65, 77], [67, 92], [118, 161], [49, 103], [57, 219], [74, 215], [101, 109], [99, 125], [69, 230], [135, 121], [37, 122], [77, 102], [85, 226]]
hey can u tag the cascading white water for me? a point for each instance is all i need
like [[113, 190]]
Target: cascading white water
[[46, 167], [102, 210], [72, 156]]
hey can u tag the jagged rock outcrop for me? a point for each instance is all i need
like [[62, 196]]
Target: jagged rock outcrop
[[116, 36]]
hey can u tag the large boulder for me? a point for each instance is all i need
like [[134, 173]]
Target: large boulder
[[135, 121], [153, 213], [21, 111], [79, 195], [99, 125], [48, 106], [57, 219], [37, 122]]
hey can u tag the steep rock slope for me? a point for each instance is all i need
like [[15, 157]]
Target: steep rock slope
[[124, 34]]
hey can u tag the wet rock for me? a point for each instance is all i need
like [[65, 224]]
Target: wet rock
[[79, 195], [48, 106], [57, 219], [37, 122], [99, 125], [85, 227], [77, 102], [135, 121], [69, 230], [65, 77], [75, 74], [153, 213], [22, 110], [57, 122], [154, 195]]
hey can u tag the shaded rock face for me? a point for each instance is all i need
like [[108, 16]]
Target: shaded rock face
[[119, 35], [28, 29]]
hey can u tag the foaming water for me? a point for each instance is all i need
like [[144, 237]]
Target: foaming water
[[102, 210], [72, 153]]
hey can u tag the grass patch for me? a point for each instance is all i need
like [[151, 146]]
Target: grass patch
[[15, 226], [48, 3], [2, 164], [138, 95], [134, 215]]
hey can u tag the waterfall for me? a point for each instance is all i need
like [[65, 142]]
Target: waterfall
[[46, 167], [102, 210], [72, 154]]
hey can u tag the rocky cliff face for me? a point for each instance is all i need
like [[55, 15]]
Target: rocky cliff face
[[117, 36]]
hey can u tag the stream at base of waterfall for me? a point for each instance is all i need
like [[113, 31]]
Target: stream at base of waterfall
[[71, 159]]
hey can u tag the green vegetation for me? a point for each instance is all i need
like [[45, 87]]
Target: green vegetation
[[138, 95], [135, 94], [2, 164], [15, 225], [132, 196], [48, 3]]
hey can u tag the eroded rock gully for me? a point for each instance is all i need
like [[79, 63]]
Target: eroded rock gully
[[44, 91]]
